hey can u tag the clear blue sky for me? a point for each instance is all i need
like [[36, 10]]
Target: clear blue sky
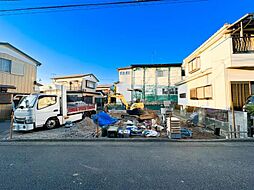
[[100, 40]]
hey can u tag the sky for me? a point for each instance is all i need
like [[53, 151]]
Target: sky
[[101, 40]]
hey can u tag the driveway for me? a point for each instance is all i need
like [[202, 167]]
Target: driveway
[[4, 129]]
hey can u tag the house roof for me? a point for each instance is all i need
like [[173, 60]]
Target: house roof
[[83, 92], [75, 76], [7, 86], [248, 21], [123, 68], [19, 51], [104, 85], [157, 65], [151, 65]]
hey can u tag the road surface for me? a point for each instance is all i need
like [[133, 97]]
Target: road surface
[[126, 165]]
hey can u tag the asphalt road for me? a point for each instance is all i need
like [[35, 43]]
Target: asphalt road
[[126, 165]]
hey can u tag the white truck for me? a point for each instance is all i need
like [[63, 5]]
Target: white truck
[[49, 110]]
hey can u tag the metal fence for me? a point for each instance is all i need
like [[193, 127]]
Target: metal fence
[[243, 44]]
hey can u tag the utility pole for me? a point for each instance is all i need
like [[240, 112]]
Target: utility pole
[[144, 83], [233, 111], [11, 125], [169, 83]]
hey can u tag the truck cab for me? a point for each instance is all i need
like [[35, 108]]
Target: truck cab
[[49, 110], [37, 110]]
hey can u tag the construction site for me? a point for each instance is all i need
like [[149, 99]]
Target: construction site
[[117, 119]]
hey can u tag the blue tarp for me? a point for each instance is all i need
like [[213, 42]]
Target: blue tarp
[[103, 119]]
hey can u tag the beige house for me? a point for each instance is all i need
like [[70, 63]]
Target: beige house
[[156, 81], [104, 88], [221, 70], [80, 87], [18, 72]]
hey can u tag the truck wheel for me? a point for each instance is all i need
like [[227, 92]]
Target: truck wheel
[[51, 123]]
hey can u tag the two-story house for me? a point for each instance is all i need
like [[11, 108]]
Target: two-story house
[[18, 73], [80, 87], [220, 73], [156, 82]]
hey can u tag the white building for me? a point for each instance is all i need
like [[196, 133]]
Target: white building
[[221, 70], [156, 81]]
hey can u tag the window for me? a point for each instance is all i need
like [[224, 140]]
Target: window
[[183, 95], [124, 72], [183, 73], [171, 91], [5, 65], [203, 92], [5, 98], [193, 94], [90, 84], [46, 101], [160, 73], [252, 87], [194, 65], [240, 92], [17, 68], [88, 99], [74, 98]]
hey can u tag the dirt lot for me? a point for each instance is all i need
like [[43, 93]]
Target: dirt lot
[[87, 129], [83, 129]]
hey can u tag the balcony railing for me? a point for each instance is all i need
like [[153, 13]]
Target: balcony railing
[[243, 44], [74, 88]]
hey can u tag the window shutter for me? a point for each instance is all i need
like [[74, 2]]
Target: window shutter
[[193, 93], [200, 93], [208, 92]]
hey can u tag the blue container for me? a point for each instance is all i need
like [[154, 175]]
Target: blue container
[[175, 135]]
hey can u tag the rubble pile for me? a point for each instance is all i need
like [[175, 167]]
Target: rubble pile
[[116, 125], [145, 125], [87, 128]]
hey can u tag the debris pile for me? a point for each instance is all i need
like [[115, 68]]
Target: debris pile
[[145, 125], [120, 125]]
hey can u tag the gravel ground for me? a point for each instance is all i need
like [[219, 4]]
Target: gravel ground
[[83, 129], [87, 129]]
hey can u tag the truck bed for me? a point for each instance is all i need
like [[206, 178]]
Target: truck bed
[[80, 108]]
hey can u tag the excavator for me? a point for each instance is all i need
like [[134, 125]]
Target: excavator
[[133, 109]]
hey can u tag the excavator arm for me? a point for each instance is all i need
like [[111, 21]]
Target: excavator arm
[[137, 105], [121, 98]]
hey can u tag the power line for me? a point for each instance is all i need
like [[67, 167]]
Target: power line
[[86, 6], [77, 5]]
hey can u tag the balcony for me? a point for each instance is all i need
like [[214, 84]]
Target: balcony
[[74, 88], [243, 45]]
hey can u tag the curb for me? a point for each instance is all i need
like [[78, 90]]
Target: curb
[[132, 140]]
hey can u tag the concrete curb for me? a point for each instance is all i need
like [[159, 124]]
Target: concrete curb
[[131, 140]]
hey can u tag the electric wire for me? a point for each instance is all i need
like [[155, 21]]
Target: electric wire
[[89, 6]]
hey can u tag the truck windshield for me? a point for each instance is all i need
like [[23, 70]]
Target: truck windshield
[[28, 102]]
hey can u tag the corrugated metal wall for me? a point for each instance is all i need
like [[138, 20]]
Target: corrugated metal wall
[[22, 76], [23, 83]]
